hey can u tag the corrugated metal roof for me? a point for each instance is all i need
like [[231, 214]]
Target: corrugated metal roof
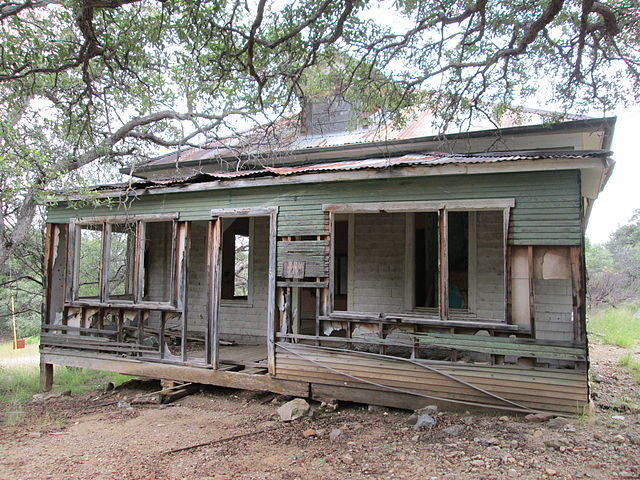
[[427, 159], [283, 137]]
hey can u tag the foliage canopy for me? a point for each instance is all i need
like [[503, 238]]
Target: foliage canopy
[[113, 80]]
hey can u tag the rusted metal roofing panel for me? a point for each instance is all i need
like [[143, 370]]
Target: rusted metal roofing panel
[[427, 159]]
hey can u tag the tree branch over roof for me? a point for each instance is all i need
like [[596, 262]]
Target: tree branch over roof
[[100, 82]]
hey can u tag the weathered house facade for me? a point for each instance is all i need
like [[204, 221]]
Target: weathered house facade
[[371, 271]]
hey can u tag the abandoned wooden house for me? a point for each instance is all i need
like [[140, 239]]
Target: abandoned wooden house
[[341, 266]]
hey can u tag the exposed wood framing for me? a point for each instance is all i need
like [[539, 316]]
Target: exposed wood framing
[[506, 267], [179, 373], [578, 293], [215, 277], [502, 387], [443, 265], [271, 295], [532, 304], [125, 218], [104, 263], [46, 376], [423, 206]]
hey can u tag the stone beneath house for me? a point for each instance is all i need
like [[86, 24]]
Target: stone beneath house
[[296, 408], [47, 396]]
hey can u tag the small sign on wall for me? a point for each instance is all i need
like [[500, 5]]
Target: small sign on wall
[[293, 270]]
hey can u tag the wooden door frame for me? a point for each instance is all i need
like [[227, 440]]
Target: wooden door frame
[[214, 265]]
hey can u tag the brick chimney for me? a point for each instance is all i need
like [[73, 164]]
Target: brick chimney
[[325, 115]]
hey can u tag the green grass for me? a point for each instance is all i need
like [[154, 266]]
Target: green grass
[[20, 381], [631, 364], [616, 326]]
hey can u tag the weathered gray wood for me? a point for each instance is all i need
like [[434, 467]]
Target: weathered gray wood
[[46, 376], [578, 293], [125, 218], [294, 270], [138, 270], [532, 302], [215, 279], [502, 346], [243, 212], [301, 284], [130, 366], [184, 289], [471, 323], [506, 266], [424, 206], [104, 263], [540, 196], [127, 305], [443, 264], [68, 328]]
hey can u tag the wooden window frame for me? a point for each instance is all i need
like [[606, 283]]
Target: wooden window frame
[[137, 274], [442, 207]]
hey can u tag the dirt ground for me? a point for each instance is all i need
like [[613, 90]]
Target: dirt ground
[[83, 438]]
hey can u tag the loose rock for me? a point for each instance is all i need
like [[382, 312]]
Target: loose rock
[[538, 417], [454, 430], [47, 396], [296, 408], [377, 409], [425, 422]]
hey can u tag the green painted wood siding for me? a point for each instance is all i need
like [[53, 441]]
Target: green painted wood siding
[[547, 208]]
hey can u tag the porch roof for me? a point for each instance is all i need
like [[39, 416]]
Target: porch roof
[[411, 162]]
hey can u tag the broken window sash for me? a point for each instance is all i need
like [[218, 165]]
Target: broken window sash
[[114, 257], [88, 261], [442, 263]]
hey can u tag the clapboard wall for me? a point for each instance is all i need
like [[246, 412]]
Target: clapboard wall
[[547, 210], [547, 206]]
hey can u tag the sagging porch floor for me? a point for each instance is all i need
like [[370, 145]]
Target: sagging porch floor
[[249, 358], [237, 357]]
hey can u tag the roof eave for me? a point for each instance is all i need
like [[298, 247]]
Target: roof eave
[[357, 150]]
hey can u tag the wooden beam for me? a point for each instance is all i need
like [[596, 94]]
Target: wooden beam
[[126, 218], [578, 293], [183, 298], [244, 212], [552, 164], [271, 294], [105, 262], [138, 268], [506, 265], [421, 206], [180, 373], [51, 231], [332, 260], [443, 265], [46, 376], [532, 297], [72, 254], [215, 282]]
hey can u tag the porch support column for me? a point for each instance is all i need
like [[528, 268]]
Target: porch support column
[[46, 376], [214, 265], [443, 264]]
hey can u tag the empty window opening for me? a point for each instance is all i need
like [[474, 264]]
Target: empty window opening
[[121, 261], [426, 260], [458, 256], [236, 245], [89, 261], [340, 264], [158, 261]]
